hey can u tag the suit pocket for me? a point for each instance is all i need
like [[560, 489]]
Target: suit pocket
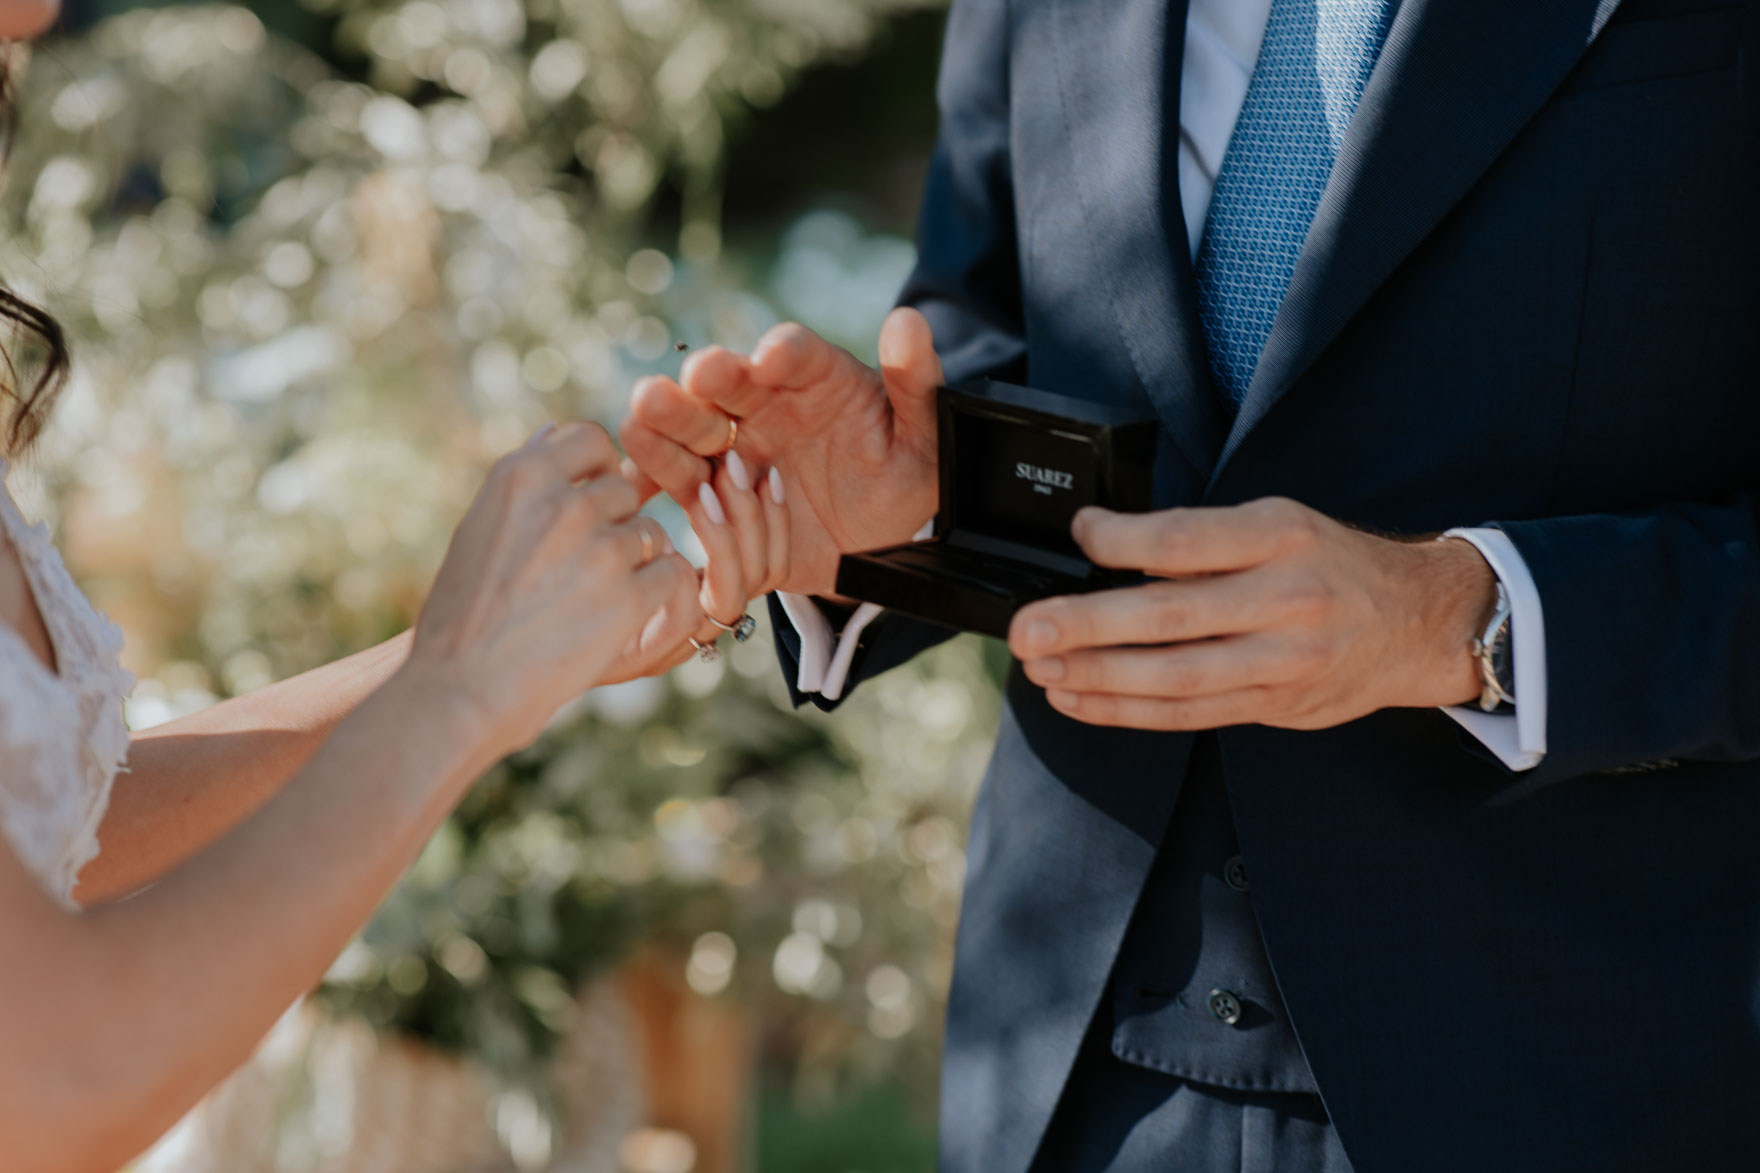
[[1652, 48]]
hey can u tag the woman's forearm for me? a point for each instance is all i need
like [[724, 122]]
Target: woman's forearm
[[97, 1067], [114, 1023], [190, 781]]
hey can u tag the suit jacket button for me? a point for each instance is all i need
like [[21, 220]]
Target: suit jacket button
[[1225, 1006], [1235, 872]]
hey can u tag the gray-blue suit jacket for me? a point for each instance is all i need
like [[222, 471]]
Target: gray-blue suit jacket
[[1530, 299]]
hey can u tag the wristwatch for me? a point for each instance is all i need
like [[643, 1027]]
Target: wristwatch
[[1496, 657]]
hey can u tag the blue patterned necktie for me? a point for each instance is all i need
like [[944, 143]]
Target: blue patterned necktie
[[1315, 60]]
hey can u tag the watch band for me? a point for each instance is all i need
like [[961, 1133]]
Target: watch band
[[1492, 651]]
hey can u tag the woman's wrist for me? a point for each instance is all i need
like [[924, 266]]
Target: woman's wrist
[[436, 703]]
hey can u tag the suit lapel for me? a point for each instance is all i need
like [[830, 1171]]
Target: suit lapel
[[1117, 67], [1456, 83]]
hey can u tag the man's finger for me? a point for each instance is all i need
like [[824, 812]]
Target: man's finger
[[1151, 614], [911, 370], [681, 417], [1176, 543], [1180, 672], [718, 376], [662, 461], [646, 486], [793, 358], [1243, 707]]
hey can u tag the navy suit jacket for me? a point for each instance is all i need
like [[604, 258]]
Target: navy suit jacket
[[1529, 299]]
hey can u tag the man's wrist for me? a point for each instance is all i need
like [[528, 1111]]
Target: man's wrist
[[1462, 590]]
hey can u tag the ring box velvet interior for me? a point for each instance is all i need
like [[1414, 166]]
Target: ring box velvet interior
[[1016, 465]]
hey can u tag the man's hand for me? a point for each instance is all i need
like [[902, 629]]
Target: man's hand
[[1271, 614], [856, 447]]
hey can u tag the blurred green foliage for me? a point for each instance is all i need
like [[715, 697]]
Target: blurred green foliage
[[873, 1131]]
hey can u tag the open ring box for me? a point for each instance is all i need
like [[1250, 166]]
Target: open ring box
[[1016, 465]]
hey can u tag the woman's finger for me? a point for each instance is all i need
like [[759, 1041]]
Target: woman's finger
[[738, 493], [638, 542], [576, 450], [723, 593], [607, 500], [663, 641], [776, 526], [669, 587]]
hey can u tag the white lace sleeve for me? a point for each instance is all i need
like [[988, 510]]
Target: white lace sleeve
[[62, 738], [43, 788]]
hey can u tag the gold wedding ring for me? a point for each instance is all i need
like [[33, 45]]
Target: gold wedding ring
[[647, 543], [732, 438]]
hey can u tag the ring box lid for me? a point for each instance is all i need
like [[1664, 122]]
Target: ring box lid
[[1017, 464]]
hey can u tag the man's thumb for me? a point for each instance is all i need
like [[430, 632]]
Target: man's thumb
[[911, 369]]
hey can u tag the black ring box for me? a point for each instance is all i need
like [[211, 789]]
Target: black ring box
[[1016, 465]]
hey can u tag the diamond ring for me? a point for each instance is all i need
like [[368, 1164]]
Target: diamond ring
[[741, 629]]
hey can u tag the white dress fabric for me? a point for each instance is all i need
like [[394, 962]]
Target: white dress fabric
[[62, 736]]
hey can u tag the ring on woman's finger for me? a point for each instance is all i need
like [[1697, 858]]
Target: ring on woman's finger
[[741, 629], [647, 544], [708, 653]]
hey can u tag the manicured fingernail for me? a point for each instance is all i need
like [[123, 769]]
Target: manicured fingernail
[[1040, 633], [711, 504], [1049, 670], [540, 434], [776, 486], [736, 468]]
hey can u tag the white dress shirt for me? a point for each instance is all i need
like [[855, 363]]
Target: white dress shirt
[[1222, 45]]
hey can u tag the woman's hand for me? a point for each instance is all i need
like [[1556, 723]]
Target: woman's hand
[[552, 585], [740, 515]]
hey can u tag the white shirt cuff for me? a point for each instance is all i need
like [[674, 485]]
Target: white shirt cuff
[[824, 668], [816, 638], [1518, 739]]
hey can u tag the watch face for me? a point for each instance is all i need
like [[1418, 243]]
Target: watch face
[[1503, 659]]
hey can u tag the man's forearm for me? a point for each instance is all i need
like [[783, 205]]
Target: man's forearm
[[191, 780]]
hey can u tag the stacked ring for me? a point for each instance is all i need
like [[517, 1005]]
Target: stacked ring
[[707, 653], [741, 629]]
